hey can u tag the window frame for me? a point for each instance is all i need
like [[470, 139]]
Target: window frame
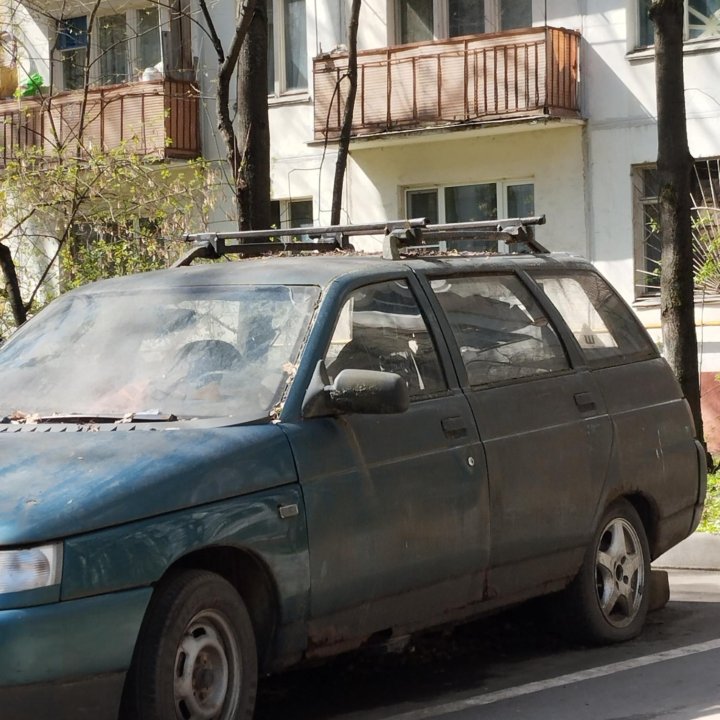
[[501, 193], [95, 52], [279, 52], [429, 318], [566, 332], [539, 300], [641, 200], [441, 20], [641, 7]]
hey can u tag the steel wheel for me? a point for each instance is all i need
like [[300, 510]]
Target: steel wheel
[[195, 658], [208, 672], [620, 573]]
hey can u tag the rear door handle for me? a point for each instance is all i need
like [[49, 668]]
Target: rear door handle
[[454, 427], [584, 402]]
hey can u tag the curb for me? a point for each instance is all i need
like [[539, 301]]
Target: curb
[[700, 551]]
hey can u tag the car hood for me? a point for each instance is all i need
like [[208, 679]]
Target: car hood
[[55, 484]]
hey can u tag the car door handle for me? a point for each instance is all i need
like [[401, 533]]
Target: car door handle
[[454, 427], [584, 401]]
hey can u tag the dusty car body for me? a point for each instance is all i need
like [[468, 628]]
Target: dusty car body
[[385, 446]]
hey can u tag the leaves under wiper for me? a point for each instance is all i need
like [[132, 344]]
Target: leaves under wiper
[[89, 418]]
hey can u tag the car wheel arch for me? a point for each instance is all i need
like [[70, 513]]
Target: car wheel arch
[[246, 571]]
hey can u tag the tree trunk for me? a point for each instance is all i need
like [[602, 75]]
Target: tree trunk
[[674, 165], [253, 128], [12, 286], [345, 131]]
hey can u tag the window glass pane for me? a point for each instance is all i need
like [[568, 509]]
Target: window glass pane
[[112, 46], [295, 45], [464, 203], [521, 200], [423, 204], [605, 328], [416, 21], [301, 213], [515, 14], [381, 328], [646, 30], [73, 67], [703, 18], [501, 332], [148, 41], [72, 33], [467, 17], [271, 49]]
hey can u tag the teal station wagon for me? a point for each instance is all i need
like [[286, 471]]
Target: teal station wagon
[[217, 471]]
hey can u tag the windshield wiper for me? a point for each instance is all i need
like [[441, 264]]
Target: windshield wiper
[[90, 418]]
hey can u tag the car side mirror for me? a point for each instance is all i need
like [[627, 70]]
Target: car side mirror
[[364, 392]]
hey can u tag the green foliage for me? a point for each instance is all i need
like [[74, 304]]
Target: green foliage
[[78, 219], [710, 521]]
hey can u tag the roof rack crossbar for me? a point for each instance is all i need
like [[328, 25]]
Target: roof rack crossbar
[[509, 230], [249, 243]]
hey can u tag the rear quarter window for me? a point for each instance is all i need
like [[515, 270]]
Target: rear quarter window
[[605, 328]]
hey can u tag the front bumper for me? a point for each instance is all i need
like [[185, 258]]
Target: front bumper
[[68, 659]]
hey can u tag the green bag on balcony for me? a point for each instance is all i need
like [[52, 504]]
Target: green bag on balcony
[[31, 87]]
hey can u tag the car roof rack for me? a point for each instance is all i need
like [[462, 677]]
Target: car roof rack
[[402, 237]]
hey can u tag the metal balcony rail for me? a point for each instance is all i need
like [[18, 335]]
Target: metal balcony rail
[[477, 78], [158, 118]]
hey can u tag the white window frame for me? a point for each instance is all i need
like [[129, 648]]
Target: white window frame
[[279, 51], [500, 185], [441, 19], [686, 27], [131, 21]]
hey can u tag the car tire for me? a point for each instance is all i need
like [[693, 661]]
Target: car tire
[[608, 600], [196, 655]]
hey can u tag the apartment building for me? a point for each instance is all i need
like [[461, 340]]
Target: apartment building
[[466, 109]]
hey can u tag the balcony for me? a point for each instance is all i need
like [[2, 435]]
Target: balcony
[[469, 80], [157, 119]]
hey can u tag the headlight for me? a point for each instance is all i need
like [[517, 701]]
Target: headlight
[[30, 568]]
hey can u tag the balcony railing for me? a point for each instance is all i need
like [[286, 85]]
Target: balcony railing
[[157, 118], [471, 79]]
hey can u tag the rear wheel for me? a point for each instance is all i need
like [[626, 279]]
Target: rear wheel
[[196, 656], [608, 600]]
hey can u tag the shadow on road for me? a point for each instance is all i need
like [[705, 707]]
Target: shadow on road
[[457, 660]]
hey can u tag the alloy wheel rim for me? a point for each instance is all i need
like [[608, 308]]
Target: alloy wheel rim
[[620, 573]]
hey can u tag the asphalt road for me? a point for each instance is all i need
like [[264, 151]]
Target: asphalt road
[[511, 666]]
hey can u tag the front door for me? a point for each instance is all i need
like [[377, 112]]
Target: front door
[[396, 504]]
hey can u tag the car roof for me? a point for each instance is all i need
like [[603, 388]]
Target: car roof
[[322, 270]]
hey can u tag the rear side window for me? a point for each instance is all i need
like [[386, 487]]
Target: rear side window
[[605, 328], [380, 327], [501, 331]]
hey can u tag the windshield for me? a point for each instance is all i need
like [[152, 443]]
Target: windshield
[[188, 352]]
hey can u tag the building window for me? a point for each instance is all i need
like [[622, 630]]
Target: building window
[[72, 41], [292, 214], [124, 46], [424, 20], [287, 46], [702, 21], [705, 204], [465, 203]]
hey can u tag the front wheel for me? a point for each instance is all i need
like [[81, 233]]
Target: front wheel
[[196, 656], [608, 600]]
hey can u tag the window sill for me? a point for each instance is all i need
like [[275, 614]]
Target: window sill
[[290, 98], [690, 47]]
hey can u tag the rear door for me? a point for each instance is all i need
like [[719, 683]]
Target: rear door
[[654, 453], [396, 505], [542, 422]]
